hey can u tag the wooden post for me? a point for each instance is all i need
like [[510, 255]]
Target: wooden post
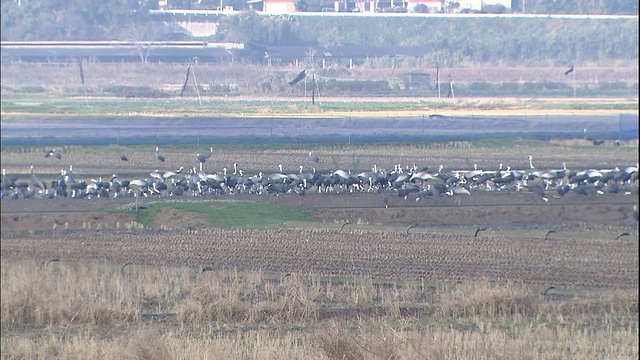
[[81, 73], [313, 89], [573, 73], [438, 79]]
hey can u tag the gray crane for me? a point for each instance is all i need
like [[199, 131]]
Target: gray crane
[[314, 158], [53, 152], [158, 155], [37, 182]]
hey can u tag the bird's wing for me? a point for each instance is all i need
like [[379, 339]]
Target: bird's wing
[[300, 76]]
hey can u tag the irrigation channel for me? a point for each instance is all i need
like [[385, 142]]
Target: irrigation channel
[[204, 130]]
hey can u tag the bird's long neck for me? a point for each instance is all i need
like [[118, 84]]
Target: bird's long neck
[[531, 162]]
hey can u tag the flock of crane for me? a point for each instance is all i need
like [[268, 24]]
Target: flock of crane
[[402, 181]]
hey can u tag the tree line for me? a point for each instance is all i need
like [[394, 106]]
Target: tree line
[[454, 40], [451, 40]]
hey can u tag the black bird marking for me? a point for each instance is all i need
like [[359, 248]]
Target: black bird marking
[[123, 158], [569, 71], [299, 78]]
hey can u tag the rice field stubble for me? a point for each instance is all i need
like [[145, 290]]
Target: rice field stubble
[[366, 290]]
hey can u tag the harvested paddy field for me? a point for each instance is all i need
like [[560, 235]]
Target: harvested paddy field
[[338, 275], [499, 235]]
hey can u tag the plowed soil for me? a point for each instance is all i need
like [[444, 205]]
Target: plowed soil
[[522, 210], [583, 254]]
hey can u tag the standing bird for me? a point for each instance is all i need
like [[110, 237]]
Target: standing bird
[[210, 152], [159, 156], [537, 189], [458, 190], [314, 158], [123, 157], [37, 182], [201, 158], [299, 78], [383, 196], [569, 71], [53, 152]]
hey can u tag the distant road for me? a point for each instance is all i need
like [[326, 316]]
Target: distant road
[[196, 130], [209, 13]]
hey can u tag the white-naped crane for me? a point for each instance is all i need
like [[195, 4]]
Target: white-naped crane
[[209, 154], [8, 183], [53, 152], [382, 192], [156, 175], [69, 177], [141, 186], [158, 155], [533, 172], [422, 175], [424, 192], [537, 189], [457, 191], [314, 158], [473, 174], [37, 182]]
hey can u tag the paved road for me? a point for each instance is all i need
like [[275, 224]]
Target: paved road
[[195, 130]]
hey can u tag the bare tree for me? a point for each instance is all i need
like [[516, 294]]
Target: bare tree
[[142, 35]]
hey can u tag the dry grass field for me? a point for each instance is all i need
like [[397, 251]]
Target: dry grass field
[[93, 279]]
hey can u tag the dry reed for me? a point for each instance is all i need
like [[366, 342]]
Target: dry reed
[[96, 310]]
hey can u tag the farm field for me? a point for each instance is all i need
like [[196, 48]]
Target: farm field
[[325, 275], [319, 275]]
